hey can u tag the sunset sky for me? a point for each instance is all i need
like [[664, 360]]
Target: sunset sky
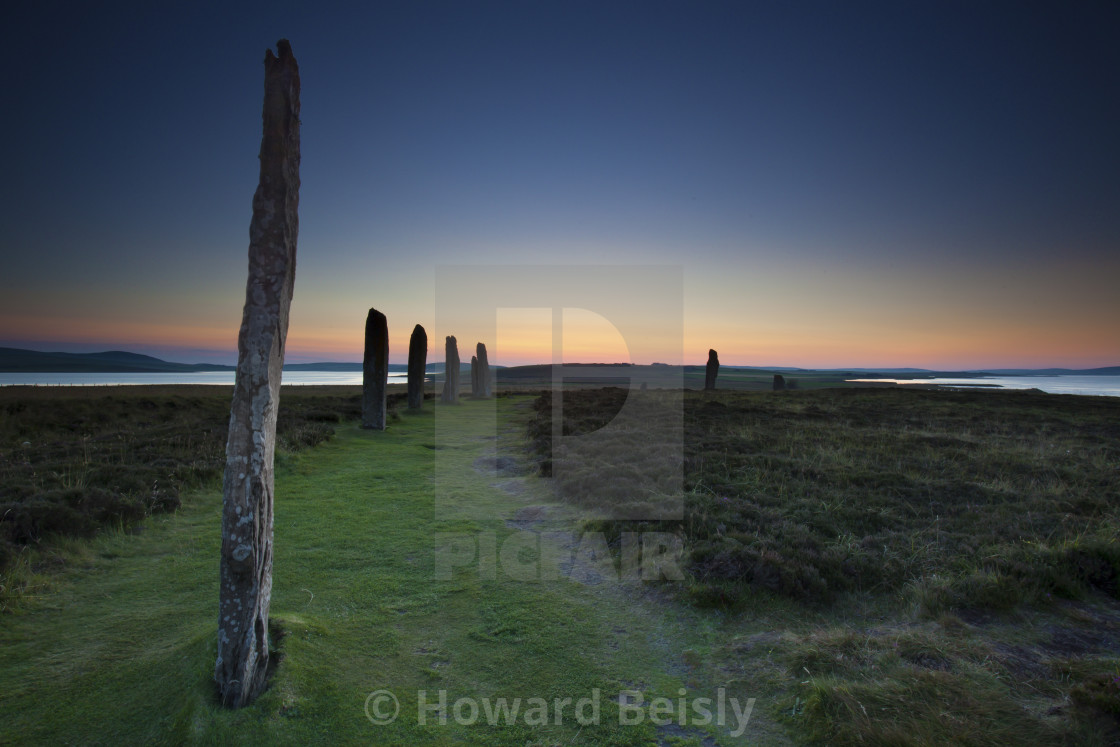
[[927, 184]]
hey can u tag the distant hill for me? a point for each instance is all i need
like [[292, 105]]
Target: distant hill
[[15, 360]]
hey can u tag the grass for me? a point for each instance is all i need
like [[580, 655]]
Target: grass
[[948, 518], [977, 499], [75, 460], [873, 566], [121, 647]]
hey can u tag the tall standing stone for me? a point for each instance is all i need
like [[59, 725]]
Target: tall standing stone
[[483, 371], [417, 361], [779, 383], [245, 566], [451, 372], [476, 390], [375, 371], [712, 371]]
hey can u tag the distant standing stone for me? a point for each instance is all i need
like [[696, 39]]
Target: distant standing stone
[[779, 383], [375, 371], [476, 391], [417, 361], [712, 371], [484, 389], [451, 372]]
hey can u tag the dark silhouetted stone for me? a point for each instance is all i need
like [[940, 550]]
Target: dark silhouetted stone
[[484, 388], [779, 383], [451, 372], [245, 566], [712, 370], [375, 371], [475, 389], [417, 360]]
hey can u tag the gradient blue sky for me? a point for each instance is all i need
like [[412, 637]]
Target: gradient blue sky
[[931, 184]]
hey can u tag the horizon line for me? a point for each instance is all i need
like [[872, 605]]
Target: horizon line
[[830, 367]]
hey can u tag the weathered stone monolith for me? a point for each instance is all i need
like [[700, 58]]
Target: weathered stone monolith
[[484, 388], [417, 360], [712, 371], [779, 383], [375, 371], [451, 372], [245, 566], [476, 390]]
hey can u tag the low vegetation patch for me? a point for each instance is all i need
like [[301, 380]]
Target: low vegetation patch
[[603, 471], [959, 519], [74, 460], [958, 499]]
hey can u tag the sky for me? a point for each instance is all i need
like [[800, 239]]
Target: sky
[[887, 184]]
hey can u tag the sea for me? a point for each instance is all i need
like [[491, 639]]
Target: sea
[[1101, 386], [1105, 386]]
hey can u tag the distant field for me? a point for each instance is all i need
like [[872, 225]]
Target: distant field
[[590, 375]]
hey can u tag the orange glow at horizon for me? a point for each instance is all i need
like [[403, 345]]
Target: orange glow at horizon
[[590, 338], [525, 337], [955, 341], [116, 332]]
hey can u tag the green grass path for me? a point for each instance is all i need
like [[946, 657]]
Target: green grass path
[[121, 648]]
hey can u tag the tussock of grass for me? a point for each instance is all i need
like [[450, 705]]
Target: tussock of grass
[[919, 707], [916, 685]]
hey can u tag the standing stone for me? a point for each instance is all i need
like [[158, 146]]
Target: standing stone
[[476, 389], [484, 389], [712, 371], [245, 567], [375, 371], [779, 383], [451, 372], [417, 361]]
